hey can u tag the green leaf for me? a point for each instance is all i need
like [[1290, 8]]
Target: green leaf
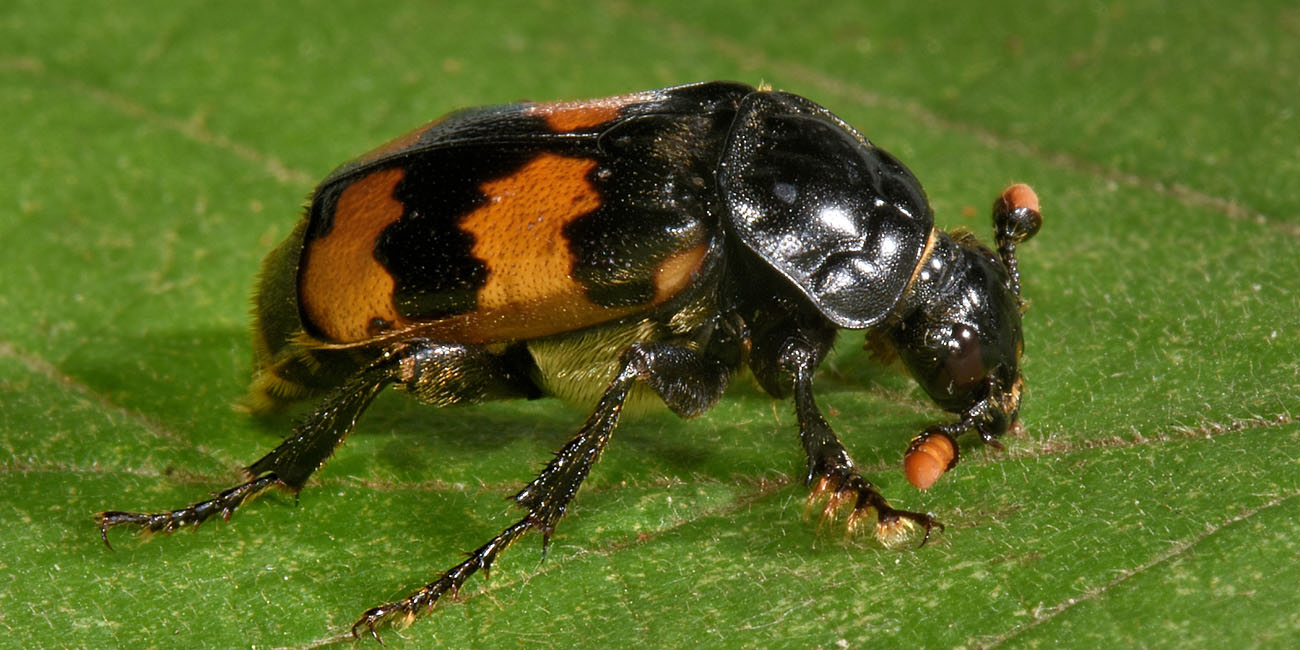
[[155, 150]]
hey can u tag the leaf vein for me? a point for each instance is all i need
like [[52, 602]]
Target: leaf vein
[[1175, 551]]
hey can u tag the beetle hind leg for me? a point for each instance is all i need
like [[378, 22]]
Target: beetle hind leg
[[289, 465]]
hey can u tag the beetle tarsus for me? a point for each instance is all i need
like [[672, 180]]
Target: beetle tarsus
[[894, 526], [448, 584], [845, 485], [223, 504]]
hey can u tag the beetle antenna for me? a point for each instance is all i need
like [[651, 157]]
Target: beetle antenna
[[1015, 219]]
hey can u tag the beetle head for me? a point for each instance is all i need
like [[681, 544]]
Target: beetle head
[[959, 333]]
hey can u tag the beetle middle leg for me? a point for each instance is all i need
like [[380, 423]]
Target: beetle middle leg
[[687, 381]]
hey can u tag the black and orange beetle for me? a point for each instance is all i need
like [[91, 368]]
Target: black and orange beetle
[[666, 238]]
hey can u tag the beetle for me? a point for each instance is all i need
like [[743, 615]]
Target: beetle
[[653, 243]]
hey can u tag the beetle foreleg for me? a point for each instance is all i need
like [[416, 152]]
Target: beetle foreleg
[[831, 471], [689, 383]]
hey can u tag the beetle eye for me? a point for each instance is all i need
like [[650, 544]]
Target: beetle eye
[[963, 367], [378, 326]]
